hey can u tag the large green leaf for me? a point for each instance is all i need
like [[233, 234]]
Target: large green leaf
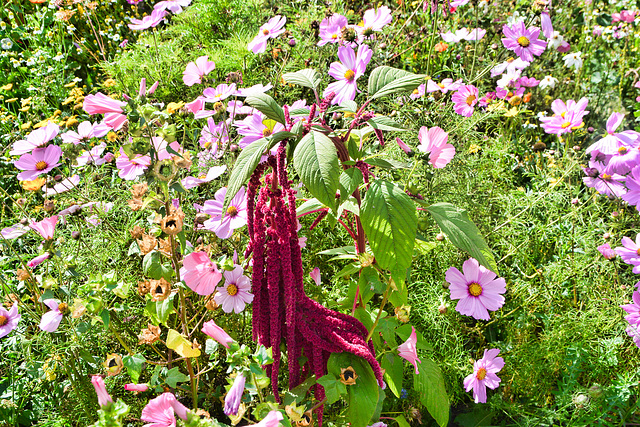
[[245, 164], [134, 364], [350, 179], [362, 396], [154, 267], [316, 161], [429, 384], [385, 123], [393, 372], [385, 81], [307, 78], [389, 221], [463, 233], [267, 106]]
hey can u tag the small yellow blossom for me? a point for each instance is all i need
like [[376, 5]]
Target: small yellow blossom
[[25, 126], [172, 107], [8, 86], [24, 109], [34, 185], [109, 83], [71, 84], [71, 121], [10, 100], [111, 136]]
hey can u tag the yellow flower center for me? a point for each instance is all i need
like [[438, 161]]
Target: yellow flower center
[[265, 32], [470, 100], [41, 165], [334, 36], [622, 150], [566, 125], [232, 289], [523, 41], [475, 289], [266, 132], [638, 251], [232, 211], [416, 92], [4, 320], [606, 176], [481, 373], [441, 85], [349, 75]]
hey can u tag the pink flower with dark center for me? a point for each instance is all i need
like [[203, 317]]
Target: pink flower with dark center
[[234, 294], [196, 70], [52, 318], [270, 30], [444, 86], [38, 162], [234, 217], [46, 227], [217, 333], [86, 131], [524, 42], [148, 21], [101, 390], [484, 375], [633, 309], [434, 142], [174, 6], [8, 319], [477, 289], [409, 351], [331, 29], [630, 252], [347, 72], [465, 99], [130, 169], [200, 273], [38, 138]]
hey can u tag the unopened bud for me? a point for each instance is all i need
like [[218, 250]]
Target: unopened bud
[[575, 201], [440, 237], [606, 235], [58, 178], [576, 148], [292, 42], [24, 221], [442, 309], [233, 148], [590, 129], [75, 235], [49, 205], [615, 214]]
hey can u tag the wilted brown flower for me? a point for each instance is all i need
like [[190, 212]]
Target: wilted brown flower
[[402, 313], [172, 223], [348, 376], [144, 287], [149, 335], [136, 232], [165, 246], [10, 299], [78, 308], [160, 289], [22, 274], [135, 204], [306, 420], [212, 305], [139, 190], [49, 205], [147, 244], [113, 364], [183, 162]]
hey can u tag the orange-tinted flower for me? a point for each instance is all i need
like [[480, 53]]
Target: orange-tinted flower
[[441, 47]]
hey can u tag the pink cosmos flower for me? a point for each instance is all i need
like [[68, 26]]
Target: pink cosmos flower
[[477, 289], [510, 66], [213, 173], [51, 319], [633, 309], [160, 411], [130, 169], [46, 227], [270, 30], [604, 183], [331, 29], [86, 131], [136, 387], [14, 231], [434, 142], [561, 124], [351, 67], [196, 70], [174, 6], [409, 351], [632, 183], [484, 375], [272, 419], [253, 128], [38, 138], [465, 100], [234, 295], [545, 23], [235, 216], [93, 156], [148, 21], [103, 104], [459, 34], [578, 108], [444, 86], [217, 333], [213, 136], [222, 91], [234, 396], [418, 92], [257, 88], [101, 390], [606, 251], [38, 260], [373, 20], [528, 81], [200, 273], [627, 15], [38, 162], [8, 319], [634, 332], [622, 146], [524, 42], [61, 187], [630, 252]]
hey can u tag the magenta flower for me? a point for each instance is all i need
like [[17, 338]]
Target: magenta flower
[[634, 332], [196, 70], [484, 375], [465, 100], [200, 273], [8, 319], [234, 217], [528, 81], [46, 227], [270, 30], [477, 289], [606, 251], [633, 309], [409, 351], [524, 42], [130, 169], [630, 252], [315, 275], [103, 104], [38, 260], [633, 185], [160, 411], [234, 295], [214, 136], [444, 86], [604, 183], [331, 29], [351, 67], [148, 21], [38, 162], [52, 318], [38, 138], [217, 333], [136, 387], [86, 131], [174, 6], [434, 142], [61, 187], [234, 396], [101, 390]]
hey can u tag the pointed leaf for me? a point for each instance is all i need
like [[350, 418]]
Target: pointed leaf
[[385, 81], [385, 123], [307, 78], [267, 106], [134, 365], [429, 384], [316, 161]]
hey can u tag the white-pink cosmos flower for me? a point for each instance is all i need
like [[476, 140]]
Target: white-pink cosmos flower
[[38, 162], [234, 217], [61, 187], [86, 131], [46, 227], [200, 273], [14, 231], [444, 86], [38, 138], [484, 375], [331, 29], [52, 318], [234, 294], [93, 156], [434, 142], [213, 173], [373, 20], [196, 70], [347, 71], [222, 91], [270, 30], [174, 6], [131, 168], [409, 350], [148, 21]]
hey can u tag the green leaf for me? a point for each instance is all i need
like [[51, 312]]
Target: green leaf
[[178, 343], [402, 421], [134, 366], [134, 249], [429, 384], [385, 123], [385, 81], [350, 179], [479, 417], [267, 106], [390, 223], [307, 78], [333, 388], [393, 374], [174, 376], [463, 233], [386, 163], [244, 166], [153, 267], [159, 311], [316, 161], [309, 206]]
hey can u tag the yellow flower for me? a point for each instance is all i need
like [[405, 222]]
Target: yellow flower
[[25, 126], [44, 122], [111, 136], [10, 100], [26, 101], [71, 121], [511, 112], [474, 148], [71, 84], [8, 86], [69, 100], [24, 109], [34, 185], [109, 83], [174, 106]]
